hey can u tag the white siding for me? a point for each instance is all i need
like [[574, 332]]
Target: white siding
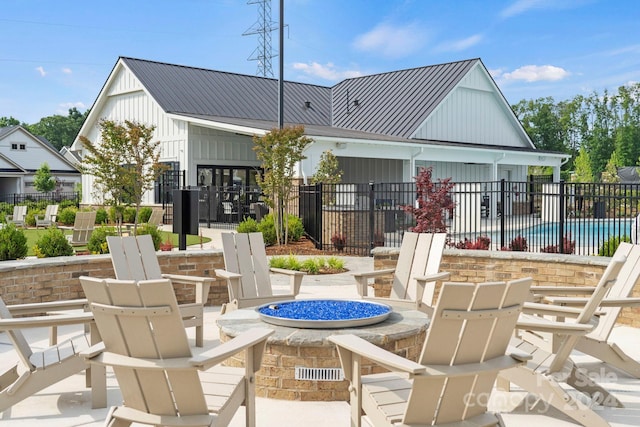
[[34, 154], [461, 172], [473, 112]]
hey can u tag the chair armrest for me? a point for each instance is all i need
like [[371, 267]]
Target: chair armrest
[[362, 279], [532, 323], [47, 307], [246, 340], [93, 351], [422, 281], [391, 361], [295, 280], [227, 274], [550, 310], [563, 290], [45, 321], [620, 302]]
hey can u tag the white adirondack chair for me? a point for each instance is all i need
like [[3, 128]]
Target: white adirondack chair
[[596, 343], [162, 383], [464, 350], [135, 258], [83, 226], [18, 216], [546, 373], [49, 217], [416, 272], [247, 272], [38, 369]]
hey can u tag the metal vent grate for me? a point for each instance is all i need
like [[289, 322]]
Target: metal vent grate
[[318, 374]]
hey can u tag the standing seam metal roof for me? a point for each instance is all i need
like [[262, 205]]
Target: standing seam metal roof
[[394, 103]]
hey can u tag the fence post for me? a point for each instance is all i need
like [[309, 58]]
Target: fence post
[[503, 206], [319, 188], [561, 220], [372, 224]]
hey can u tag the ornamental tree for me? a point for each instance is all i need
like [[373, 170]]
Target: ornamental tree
[[43, 181], [280, 151], [125, 164], [432, 203]]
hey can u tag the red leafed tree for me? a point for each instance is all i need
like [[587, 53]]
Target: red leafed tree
[[432, 204]]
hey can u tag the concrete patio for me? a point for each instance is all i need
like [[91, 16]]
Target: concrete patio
[[68, 403]]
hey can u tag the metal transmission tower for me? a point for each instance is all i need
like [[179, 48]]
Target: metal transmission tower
[[263, 28]]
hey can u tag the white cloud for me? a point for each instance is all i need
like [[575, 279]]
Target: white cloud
[[326, 72], [41, 70], [521, 6], [392, 41], [66, 70], [534, 73], [63, 109], [462, 44], [496, 72]]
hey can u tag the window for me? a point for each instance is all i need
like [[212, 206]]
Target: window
[[23, 146], [14, 146]]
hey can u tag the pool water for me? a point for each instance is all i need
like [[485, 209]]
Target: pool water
[[585, 232]]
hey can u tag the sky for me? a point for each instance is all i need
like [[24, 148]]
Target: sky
[[57, 54]]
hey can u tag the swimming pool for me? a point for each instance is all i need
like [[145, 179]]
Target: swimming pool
[[587, 232]]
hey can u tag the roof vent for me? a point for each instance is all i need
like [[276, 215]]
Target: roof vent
[[307, 104], [356, 102]]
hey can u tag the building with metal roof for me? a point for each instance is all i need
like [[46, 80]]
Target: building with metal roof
[[382, 127]]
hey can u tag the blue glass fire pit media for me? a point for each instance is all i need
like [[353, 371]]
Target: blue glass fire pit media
[[324, 313]]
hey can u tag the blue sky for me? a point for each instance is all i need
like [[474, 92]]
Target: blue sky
[[57, 54]]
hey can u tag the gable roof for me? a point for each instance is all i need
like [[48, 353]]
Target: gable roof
[[395, 103]]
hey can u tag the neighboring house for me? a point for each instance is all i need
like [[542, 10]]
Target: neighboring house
[[22, 154], [381, 127]]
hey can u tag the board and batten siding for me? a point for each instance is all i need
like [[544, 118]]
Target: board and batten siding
[[33, 155], [127, 100], [463, 172], [473, 112]]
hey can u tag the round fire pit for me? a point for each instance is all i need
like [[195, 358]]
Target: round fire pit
[[324, 313]]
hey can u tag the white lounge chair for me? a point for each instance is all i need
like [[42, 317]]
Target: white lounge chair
[[18, 216], [48, 218], [162, 383]]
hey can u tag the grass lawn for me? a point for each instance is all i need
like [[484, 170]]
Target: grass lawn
[[33, 235]]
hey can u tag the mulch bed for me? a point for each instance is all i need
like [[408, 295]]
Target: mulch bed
[[302, 247]]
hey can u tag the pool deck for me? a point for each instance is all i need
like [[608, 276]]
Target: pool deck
[[68, 403]]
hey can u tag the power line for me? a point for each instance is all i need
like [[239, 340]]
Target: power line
[[263, 28]]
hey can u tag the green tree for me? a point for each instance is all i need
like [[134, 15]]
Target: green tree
[[328, 171], [8, 121], [542, 122], [43, 180], [280, 150], [59, 130], [583, 172], [610, 173], [125, 164]]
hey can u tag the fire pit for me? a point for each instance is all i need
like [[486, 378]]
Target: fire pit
[[300, 363], [324, 313]]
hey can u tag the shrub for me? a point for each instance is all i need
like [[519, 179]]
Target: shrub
[[30, 218], [67, 216], [310, 266], [268, 229], [481, 243], [144, 214], [13, 243], [519, 244], [248, 225], [153, 231], [98, 240], [339, 241], [316, 265], [569, 246], [609, 247], [129, 214], [53, 243], [102, 217]]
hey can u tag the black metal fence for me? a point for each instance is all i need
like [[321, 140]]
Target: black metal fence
[[534, 216], [53, 197]]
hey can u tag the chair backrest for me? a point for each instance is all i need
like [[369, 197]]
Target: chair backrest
[[140, 319], [20, 343], [19, 212], [244, 254], [607, 281], [622, 288], [471, 324], [227, 208], [51, 212], [156, 217], [420, 255], [83, 226], [134, 257]]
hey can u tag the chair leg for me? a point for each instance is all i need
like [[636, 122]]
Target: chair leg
[[611, 354], [580, 380], [200, 336]]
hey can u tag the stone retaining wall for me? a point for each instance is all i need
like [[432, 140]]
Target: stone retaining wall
[[56, 279], [545, 269]]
